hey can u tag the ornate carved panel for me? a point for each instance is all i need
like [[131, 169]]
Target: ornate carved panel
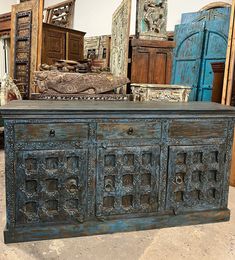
[[23, 51], [151, 19], [25, 27], [51, 186], [195, 178], [120, 39], [127, 180]]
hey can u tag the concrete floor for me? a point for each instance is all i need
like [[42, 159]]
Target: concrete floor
[[212, 241]]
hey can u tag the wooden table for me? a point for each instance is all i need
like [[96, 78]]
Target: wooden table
[[89, 168]]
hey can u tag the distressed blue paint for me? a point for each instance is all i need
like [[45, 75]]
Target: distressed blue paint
[[201, 39], [213, 14], [102, 164]]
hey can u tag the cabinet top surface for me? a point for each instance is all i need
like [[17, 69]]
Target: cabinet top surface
[[53, 107]]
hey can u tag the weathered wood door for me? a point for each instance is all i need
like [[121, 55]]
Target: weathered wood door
[[215, 46], [201, 39], [187, 55]]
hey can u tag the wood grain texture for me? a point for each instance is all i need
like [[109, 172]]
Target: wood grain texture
[[151, 61], [199, 129], [51, 132], [128, 131]]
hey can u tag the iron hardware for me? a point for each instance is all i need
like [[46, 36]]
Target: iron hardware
[[52, 133], [130, 131], [179, 180]]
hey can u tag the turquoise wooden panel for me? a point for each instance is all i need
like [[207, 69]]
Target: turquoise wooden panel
[[215, 47], [187, 55], [213, 14], [201, 39]]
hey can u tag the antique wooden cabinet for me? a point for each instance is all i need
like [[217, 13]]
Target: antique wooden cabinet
[[61, 44], [151, 61], [85, 168]]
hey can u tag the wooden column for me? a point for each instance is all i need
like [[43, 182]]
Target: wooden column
[[229, 78], [232, 178], [230, 61]]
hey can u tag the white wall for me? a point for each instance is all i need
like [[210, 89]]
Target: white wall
[[177, 7], [95, 16], [5, 5]]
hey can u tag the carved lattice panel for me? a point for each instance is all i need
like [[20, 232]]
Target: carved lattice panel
[[195, 180], [51, 186], [127, 180]]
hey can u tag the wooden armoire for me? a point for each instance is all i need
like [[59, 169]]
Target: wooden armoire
[[61, 44], [151, 61]]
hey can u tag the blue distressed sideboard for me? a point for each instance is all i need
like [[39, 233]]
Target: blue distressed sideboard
[[88, 168]]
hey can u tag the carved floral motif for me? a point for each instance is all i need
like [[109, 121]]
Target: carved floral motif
[[152, 19]]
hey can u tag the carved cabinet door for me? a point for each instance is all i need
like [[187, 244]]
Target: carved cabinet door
[[127, 180], [196, 177], [51, 186]]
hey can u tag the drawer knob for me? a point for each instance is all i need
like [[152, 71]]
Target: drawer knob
[[179, 180], [52, 133], [104, 146], [130, 131]]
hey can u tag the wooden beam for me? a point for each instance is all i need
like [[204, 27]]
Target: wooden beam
[[230, 58]]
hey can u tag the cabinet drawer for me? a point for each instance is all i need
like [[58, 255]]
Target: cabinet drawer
[[51, 132], [128, 131], [197, 129]]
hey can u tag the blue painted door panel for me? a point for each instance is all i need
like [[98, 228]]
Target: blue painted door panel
[[200, 41], [187, 55], [215, 46], [213, 14]]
